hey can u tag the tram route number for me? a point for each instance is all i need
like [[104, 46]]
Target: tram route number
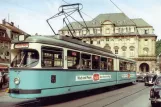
[[94, 77]]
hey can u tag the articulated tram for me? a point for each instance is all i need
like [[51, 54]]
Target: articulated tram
[[51, 66]]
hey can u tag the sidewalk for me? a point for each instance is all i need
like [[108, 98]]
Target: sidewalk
[[7, 101], [3, 90]]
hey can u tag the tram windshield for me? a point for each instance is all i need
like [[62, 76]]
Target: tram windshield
[[25, 58]]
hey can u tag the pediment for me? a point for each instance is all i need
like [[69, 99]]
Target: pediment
[[107, 22]]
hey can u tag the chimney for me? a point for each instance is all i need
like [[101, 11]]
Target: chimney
[[4, 21], [12, 24]]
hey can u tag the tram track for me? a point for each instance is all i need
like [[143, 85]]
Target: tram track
[[88, 100], [115, 100]]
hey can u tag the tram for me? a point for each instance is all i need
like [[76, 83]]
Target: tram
[[51, 66]]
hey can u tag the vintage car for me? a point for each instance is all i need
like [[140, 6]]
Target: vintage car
[[141, 77], [150, 79], [155, 93]]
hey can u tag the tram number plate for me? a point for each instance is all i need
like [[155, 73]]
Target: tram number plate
[[53, 78]]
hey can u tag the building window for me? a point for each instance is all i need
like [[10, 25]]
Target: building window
[[116, 48], [98, 31], [128, 39], [117, 30], [77, 33], [146, 31], [126, 29], [122, 30], [91, 31], [2, 34], [124, 50], [116, 51], [120, 39], [132, 54], [107, 39], [98, 42], [95, 31], [107, 47], [91, 42], [84, 32], [146, 42]]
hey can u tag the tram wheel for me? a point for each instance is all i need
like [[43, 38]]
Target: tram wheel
[[134, 82]]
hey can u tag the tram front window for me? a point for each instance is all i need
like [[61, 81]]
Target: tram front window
[[25, 58]]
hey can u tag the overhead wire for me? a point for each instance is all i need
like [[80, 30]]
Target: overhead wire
[[125, 15]]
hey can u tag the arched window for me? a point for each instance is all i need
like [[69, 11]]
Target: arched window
[[124, 50], [132, 51], [116, 48], [107, 47]]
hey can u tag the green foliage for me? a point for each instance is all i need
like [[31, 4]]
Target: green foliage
[[158, 47]]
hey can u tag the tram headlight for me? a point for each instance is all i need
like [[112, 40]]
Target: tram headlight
[[17, 81]]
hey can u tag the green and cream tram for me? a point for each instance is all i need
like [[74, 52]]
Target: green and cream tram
[[50, 66]]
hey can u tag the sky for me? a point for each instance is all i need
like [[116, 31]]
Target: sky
[[31, 15]]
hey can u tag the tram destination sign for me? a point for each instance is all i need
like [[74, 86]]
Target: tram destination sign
[[94, 77], [21, 45]]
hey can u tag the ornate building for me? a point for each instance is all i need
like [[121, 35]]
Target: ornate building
[[132, 38], [8, 32]]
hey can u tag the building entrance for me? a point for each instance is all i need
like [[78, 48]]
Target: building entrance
[[144, 67]]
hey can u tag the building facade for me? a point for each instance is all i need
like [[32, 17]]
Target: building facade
[[8, 32], [131, 38]]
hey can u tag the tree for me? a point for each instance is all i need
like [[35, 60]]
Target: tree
[[158, 47]]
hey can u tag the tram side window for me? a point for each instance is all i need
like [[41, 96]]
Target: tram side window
[[110, 64], [73, 58], [123, 66], [132, 67], [52, 57], [103, 63], [128, 66], [95, 62], [86, 61]]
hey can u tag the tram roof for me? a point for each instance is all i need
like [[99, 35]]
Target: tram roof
[[54, 40]]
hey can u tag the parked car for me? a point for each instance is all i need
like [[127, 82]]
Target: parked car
[[141, 77], [150, 79], [155, 93]]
